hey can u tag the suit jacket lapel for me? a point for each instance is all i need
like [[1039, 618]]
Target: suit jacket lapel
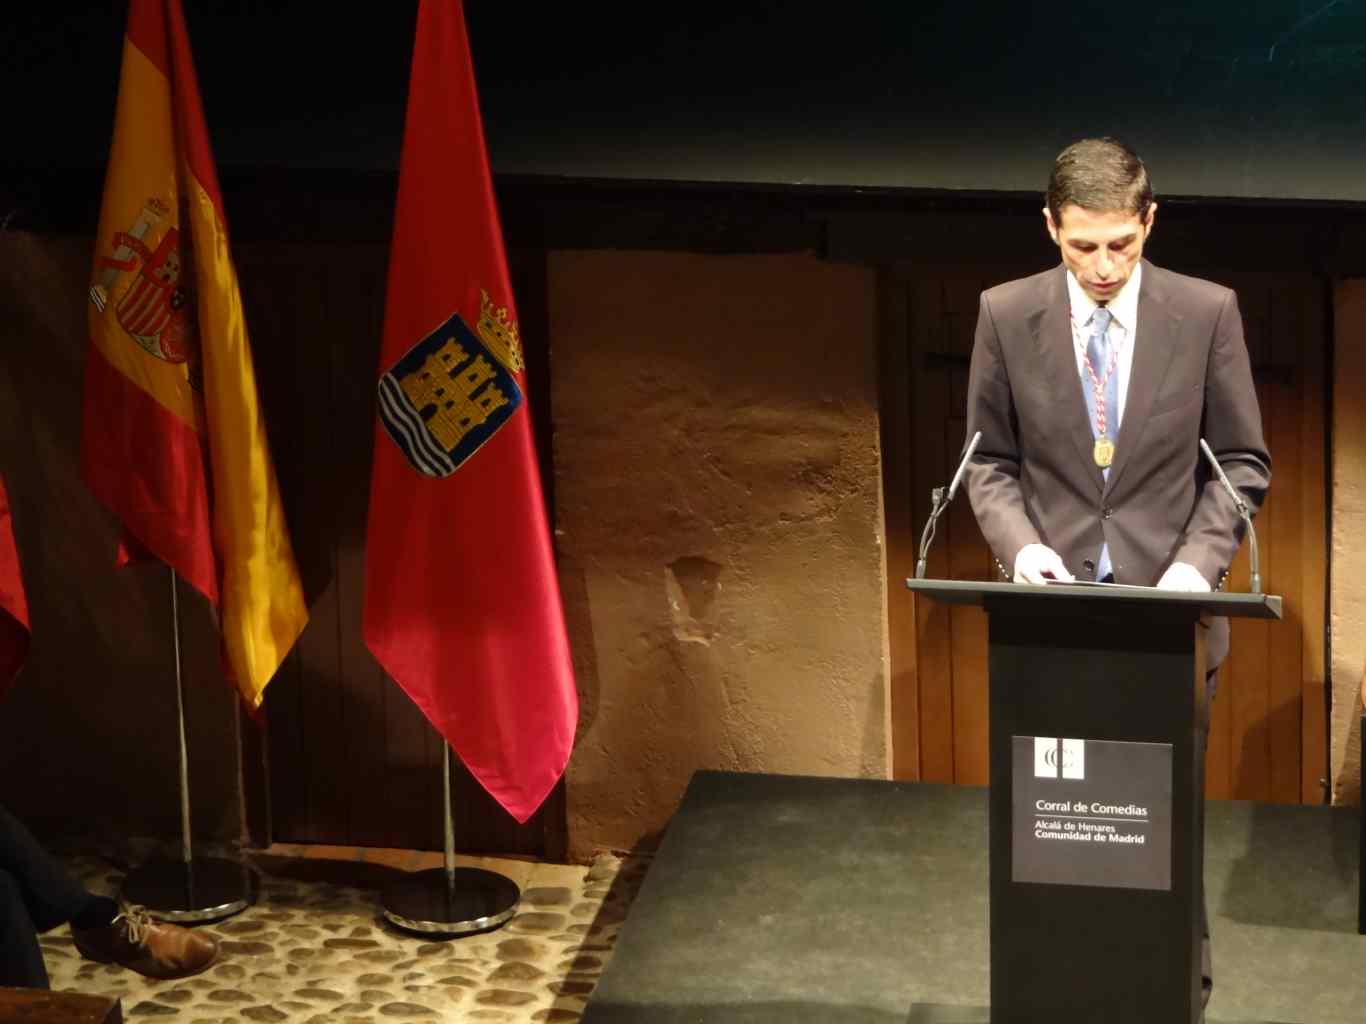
[[1052, 327], [1155, 342]]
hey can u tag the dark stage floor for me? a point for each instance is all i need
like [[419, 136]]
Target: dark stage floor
[[787, 900]]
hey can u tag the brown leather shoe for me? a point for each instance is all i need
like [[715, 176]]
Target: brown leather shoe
[[151, 948]]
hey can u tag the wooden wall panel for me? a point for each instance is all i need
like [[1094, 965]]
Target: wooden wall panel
[[1285, 668], [968, 625], [1313, 563], [1273, 701], [894, 403], [352, 760], [1243, 684], [929, 412]]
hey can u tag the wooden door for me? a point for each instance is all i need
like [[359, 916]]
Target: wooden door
[[1269, 726], [351, 759], [1269, 729]]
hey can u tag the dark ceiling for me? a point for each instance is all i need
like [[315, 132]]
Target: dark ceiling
[[1241, 100]]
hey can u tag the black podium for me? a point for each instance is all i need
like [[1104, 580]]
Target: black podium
[[1097, 717]]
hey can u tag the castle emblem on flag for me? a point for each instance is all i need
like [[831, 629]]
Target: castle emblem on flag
[[453, 390], [143, 280]]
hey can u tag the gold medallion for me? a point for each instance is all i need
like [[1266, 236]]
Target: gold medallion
[[1104, 452]]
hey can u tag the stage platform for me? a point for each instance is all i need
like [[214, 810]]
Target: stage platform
[[791, 900]]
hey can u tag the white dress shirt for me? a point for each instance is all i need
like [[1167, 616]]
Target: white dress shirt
[[1123, 327]]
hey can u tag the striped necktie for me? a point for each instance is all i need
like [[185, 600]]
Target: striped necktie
[[1099, 351]]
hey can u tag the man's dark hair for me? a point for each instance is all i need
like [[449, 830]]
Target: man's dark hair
[[1100, 175]]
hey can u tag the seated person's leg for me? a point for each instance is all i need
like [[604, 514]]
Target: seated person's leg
[[101, 929], [21, 961], [52, 896]]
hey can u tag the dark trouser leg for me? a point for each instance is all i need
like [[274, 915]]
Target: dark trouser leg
[[1206, 958], [1206, 961], [51, 896], [21, 961]]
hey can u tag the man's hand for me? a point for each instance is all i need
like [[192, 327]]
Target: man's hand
[[1038, 563], [1183, 576]]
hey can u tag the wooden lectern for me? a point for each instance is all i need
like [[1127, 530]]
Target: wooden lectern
[[1097, 719]]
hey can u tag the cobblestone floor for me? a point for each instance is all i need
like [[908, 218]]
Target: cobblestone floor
[[315, 949]]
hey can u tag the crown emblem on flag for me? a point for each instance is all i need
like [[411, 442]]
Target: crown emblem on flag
[[499, 333]]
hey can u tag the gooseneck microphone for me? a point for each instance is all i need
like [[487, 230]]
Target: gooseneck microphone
[[940, 498], [1242, 511]]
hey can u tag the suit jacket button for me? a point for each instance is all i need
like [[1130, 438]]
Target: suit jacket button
[[1088, 565], [1107, 513]]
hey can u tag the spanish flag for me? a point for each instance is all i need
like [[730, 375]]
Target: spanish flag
[[462, 604], [173, 439], [14, 628]]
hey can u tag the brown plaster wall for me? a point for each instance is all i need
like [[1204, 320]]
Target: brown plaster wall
[[718, 516], [1348, 615]]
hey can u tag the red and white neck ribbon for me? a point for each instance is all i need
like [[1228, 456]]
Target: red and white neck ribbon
[[1098, 385]]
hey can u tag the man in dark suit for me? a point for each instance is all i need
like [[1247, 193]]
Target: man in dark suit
[[1092, 384]]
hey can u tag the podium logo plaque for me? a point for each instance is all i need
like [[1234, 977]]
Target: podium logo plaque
[[1091, 812]]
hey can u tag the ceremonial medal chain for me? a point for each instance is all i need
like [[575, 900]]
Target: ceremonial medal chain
[[1104, 451]]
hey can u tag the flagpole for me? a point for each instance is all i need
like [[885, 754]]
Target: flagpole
[[186, 847], [185, 891], [450, 819], [449, 901]]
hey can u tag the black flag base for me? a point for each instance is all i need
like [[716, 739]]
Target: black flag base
[[191, 892], [458, 901]]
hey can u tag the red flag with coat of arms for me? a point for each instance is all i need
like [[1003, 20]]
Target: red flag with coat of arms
[[462, 606]]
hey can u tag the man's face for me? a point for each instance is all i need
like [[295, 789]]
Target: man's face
[[1101, 249]]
